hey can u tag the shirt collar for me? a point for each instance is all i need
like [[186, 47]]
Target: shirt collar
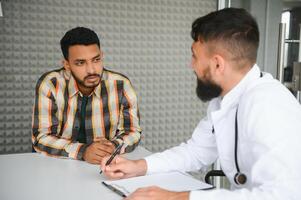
[[233, 96], [97, 90], [104, 77], [72, 85]]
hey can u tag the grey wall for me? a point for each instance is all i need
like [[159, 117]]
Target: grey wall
[[148, 40]]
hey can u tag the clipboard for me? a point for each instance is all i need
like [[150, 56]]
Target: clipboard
[[173, 181]]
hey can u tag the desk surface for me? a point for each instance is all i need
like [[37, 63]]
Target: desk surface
[[34, 176]]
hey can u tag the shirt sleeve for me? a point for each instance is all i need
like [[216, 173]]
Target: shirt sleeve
[[197, 153], [129, 130], [45, 123]]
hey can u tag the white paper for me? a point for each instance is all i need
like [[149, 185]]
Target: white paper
[[173, 181]]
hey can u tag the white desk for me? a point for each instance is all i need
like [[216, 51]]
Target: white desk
[[32, 176]]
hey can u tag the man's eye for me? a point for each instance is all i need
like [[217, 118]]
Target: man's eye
[[79, 63], [97, 59]]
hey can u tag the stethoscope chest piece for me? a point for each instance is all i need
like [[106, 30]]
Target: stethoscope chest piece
[[240, 178]]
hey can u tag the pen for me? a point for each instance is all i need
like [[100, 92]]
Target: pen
[[114, 189], [117, 151]]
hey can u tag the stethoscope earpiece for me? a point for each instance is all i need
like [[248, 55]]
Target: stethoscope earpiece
[[240, 178]]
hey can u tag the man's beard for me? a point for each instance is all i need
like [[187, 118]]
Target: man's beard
[[82, 82], [207, 90]]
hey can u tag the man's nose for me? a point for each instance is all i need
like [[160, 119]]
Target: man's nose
[[90, 68]]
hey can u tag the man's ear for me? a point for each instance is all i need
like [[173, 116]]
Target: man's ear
[[219, 64], [66, 64]]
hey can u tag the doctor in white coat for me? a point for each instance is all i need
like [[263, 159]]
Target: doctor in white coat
[[253, 122]]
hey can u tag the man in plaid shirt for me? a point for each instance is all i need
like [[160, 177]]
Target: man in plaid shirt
[[83, 111]]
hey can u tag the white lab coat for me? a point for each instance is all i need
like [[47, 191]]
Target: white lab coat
[[269, 142]]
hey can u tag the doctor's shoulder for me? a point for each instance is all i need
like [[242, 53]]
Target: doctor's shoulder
[[267, 91], [267, 98], [269, 112]]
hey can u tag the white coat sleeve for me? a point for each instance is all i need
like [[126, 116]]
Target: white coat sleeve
[[198, 152], [273, 124]]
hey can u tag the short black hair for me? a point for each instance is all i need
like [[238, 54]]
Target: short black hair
[[234, 27], [78, 35]]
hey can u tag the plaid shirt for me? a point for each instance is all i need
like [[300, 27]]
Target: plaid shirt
[[111, 112]]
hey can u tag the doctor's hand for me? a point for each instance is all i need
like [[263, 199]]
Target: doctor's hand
[[156, 193], [99, 149], [123, 168]]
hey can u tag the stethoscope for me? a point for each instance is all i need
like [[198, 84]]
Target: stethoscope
[[239, 177]]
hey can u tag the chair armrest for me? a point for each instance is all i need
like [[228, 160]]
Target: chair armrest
[[213, 173]]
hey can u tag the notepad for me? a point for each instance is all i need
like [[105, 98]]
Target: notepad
[[173, 181]]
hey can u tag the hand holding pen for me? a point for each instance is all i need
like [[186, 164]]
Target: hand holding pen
[[122, 167], [117, 151]]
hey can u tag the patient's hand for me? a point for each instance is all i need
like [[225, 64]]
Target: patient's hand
[[96, 151]]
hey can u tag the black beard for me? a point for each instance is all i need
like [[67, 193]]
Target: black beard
[[207, 90], [82, 83]]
